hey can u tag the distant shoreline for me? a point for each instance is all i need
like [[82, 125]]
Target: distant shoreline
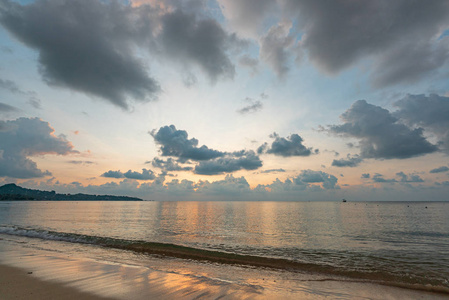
[[67, 200], [13, 192]]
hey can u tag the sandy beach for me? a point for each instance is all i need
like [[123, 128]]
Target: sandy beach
[[17, 283], [38, 273]]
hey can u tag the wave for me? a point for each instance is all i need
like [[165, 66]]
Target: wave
[[216, 256]]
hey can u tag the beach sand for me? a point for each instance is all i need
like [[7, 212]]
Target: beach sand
[[16, 283], [57, 274]]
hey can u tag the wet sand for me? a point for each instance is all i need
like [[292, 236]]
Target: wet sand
[[18, 284]]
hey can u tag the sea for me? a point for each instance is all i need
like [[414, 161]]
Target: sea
[[396, 244]]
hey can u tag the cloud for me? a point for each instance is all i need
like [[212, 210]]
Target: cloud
[[348, 162], [81, 162], [175, 143], [10, 86], [409, 178], [249, 62], [410, 62], [273, 49], [309, 176], [27, 137], [34, 102], [169, 165], [145, 175], [252, 108], [430, 112], [86, 45], [229, 186], [290, 146], [273, 171], [171, 5], [338, 34], [199, 41], [381, 135], [379, 178], [439, 170], [403, 178], [113, 174], [307, 180], [247, 16], [243, 160], [94, 47], [365, 175], [7, 108], [189, 79]]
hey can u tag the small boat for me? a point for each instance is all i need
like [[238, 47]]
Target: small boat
[[344, 200]]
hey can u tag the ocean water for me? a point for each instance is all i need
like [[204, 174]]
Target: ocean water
[[402, 244]]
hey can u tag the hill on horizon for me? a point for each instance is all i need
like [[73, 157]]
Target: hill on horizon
[[12, 191]]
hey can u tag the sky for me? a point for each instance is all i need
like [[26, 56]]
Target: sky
[[278, 100]]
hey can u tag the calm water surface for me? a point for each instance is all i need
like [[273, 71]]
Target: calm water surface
[[398, 241]]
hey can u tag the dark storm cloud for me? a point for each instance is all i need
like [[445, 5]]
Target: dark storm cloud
[[410, 62], [7, 108], [380, 133], [91, 46], [175, 143], [243, 160], [309, 176], [169, 165], [430, 112], [439, 170], [254, 107], [339, 33], [26, 137], [347, 162], [85, 45], [145, 175], [200, 41], [290, 146]]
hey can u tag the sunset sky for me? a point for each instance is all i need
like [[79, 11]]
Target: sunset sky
[[226, 99]]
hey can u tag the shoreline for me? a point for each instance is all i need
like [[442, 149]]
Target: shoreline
[[94, 273], [210, 256]]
